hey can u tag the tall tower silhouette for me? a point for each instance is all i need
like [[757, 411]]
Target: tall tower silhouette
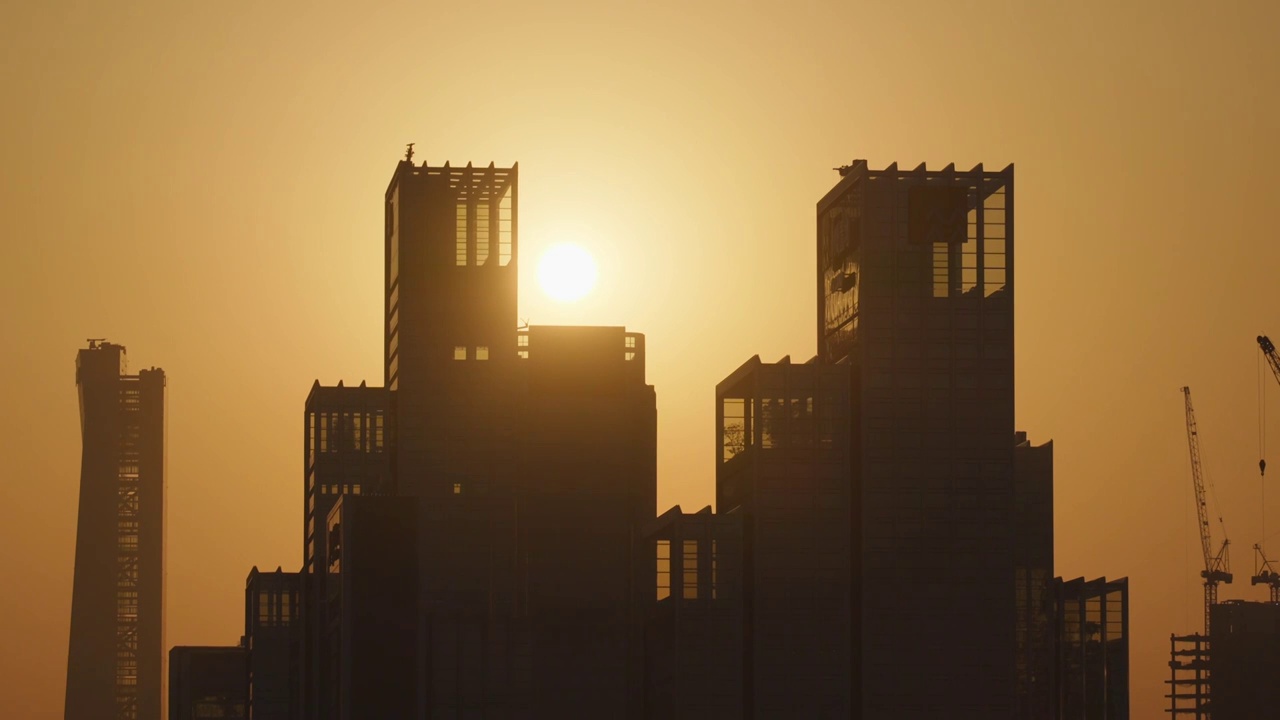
[[451, 260], [116, 652], [915, 285]]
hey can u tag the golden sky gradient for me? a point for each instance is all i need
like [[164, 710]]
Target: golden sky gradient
[[203, 183]]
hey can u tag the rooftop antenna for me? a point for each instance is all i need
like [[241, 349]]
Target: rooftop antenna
[[844, 169], [408, 152], [93, 342]]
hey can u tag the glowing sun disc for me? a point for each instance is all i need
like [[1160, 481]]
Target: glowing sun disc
[[566, 272]]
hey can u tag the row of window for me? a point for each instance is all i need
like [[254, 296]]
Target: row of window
[[473, 224], [275, 609], [346, 431], [686, 568], [783, 422], [481, 352]]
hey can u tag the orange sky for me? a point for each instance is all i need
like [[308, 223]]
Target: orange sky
[[203, 183]]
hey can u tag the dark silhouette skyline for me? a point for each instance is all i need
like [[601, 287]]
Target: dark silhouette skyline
[[480, 535], [188, 180], [450, 517]]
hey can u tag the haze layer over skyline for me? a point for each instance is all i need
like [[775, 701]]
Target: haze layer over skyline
[[204, 183]]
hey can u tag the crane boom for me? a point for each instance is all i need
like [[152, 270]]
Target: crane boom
[[1217, 568], [1269, 350], [1197, 479]]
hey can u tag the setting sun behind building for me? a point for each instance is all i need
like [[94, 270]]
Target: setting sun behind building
[[567, 272]]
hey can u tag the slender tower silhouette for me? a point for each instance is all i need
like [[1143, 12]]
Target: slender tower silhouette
[[116, 653]]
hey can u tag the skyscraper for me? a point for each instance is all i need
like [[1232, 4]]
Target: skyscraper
[[346, 452], [532, 453], [451, 251], [116, 651], [915, 292], [784, 466]]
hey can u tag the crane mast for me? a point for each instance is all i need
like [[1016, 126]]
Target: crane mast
[[1217, 568]]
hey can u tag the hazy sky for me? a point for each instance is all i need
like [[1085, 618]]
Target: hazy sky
[[203, 183]]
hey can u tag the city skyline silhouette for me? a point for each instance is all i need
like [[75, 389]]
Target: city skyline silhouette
[[205, 189]]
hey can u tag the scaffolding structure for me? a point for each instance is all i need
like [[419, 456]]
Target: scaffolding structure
[[128, 514], [1188, 676]]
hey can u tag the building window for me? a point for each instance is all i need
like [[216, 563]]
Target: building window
[[735, 429], [482, 352], [994, 243], [461, 233], [457, 488], [459, 352], [482, 233], [505, 226], [772, 421], [664, 569], [689, 570]]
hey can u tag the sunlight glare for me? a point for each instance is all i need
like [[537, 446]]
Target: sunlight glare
[[567, 272]]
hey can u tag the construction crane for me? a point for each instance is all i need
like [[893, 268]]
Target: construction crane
[[1263, 571], [1217, 568]]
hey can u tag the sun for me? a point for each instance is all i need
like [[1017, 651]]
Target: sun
[[567, 272]]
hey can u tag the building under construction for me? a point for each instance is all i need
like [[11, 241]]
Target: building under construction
[[1234, 671], [115, 660]]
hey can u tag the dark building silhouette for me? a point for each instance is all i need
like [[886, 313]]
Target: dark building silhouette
[[207, 682], [116, 653], [587, 485], [535, 449], [273, 639], [1091, 648], [455, 399], [347, 440], [1033, 570], [451, 252], [784, 465], [370, 609], [479, 535], [693, 619], [1244, 660], [915, 293], [897, 548]]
